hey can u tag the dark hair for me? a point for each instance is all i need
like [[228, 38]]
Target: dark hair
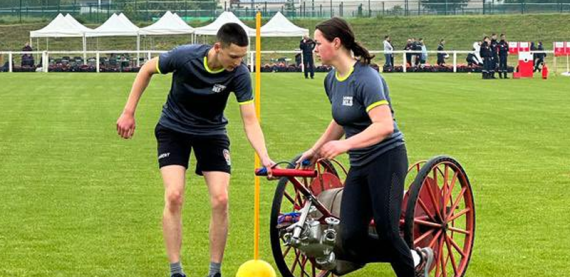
[[339, 28], [385, 37], [442, 40], [232, 33]]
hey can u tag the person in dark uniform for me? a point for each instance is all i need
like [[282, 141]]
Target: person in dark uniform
[[495, 55], [539, 58], [204, 76], [409, 47], [440, 53], [503, 57], [363, 113], [417, 46], [307, 45], [487, 55]]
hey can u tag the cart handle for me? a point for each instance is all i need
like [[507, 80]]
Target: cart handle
[[279, 172]]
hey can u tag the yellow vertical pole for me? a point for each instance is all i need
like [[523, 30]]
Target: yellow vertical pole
[[258, 113]]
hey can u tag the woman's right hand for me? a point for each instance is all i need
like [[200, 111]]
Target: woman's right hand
[[310, 155]]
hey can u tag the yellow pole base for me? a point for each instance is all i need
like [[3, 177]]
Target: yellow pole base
[[256, 268]]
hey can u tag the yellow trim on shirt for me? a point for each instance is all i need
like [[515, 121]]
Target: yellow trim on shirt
[[246, 102], [338, 78], [208, 69], [376, 104], [157, 63]]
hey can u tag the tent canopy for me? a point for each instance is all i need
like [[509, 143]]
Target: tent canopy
[[168, 24], [76, 23], [59, 27], [280, 26], [115, 26], [225, 17]]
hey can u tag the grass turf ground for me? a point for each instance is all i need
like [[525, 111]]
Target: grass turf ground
[[75, 199]]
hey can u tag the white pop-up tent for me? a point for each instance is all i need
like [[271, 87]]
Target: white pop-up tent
[[62, 26], [280, 26], [168, 24], [59, 27], [226, 17], [117, 26], [82, 29]]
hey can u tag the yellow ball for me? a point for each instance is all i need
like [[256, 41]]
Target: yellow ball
[[256, 268]]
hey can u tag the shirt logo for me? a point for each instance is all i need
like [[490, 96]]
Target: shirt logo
[[218, 88], [347, 101]]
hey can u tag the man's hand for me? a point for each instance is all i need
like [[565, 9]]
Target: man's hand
[[126, 125], [334, 148]]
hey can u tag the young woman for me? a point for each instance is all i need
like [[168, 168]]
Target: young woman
[[374, 187]]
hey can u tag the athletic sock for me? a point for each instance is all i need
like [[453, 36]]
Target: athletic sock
[[176, 268], [215, 268]]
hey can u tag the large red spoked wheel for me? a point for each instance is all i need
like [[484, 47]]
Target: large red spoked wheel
[[290, 261], [439, 212]]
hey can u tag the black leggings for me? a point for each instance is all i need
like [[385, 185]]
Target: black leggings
[[376, 190]]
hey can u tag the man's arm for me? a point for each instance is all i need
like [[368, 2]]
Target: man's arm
[[254, 133], [126, 122]]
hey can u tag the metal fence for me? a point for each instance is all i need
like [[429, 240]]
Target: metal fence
[[147, 10], [131, 61]]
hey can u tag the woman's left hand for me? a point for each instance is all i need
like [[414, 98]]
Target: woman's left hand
[[334, 148]]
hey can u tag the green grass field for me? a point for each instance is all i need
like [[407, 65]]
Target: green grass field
[[76, 200]]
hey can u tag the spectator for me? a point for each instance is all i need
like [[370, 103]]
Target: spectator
[[307, 45], [417, 47], [424, 54], [476, 51], [472, 59], [27, 59], [298, 59], [487, 54], [408, 47], [388, 52], [440, 54], [539, 57], [503, 47]]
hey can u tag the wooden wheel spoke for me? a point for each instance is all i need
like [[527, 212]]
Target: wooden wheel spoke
[[286, 251], [458, 230], [286, 194], [453, 217], [427, 223], [433, 200], [425, 208], [450, 190], [296, 261], [425, 235], [438, 270], [456, 202], [435, 239], [451, 256], [456, 246]]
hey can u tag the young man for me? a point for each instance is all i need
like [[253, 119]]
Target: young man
[[307, 45], [192, 119], [388, 52], [440, 53], [503, 57]]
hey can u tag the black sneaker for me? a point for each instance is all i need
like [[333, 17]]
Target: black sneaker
[[215, 275], [177, 275], [426, 254], [343, 267]]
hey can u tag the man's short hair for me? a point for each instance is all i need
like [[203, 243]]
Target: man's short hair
[[385, 37], [232, 33]]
